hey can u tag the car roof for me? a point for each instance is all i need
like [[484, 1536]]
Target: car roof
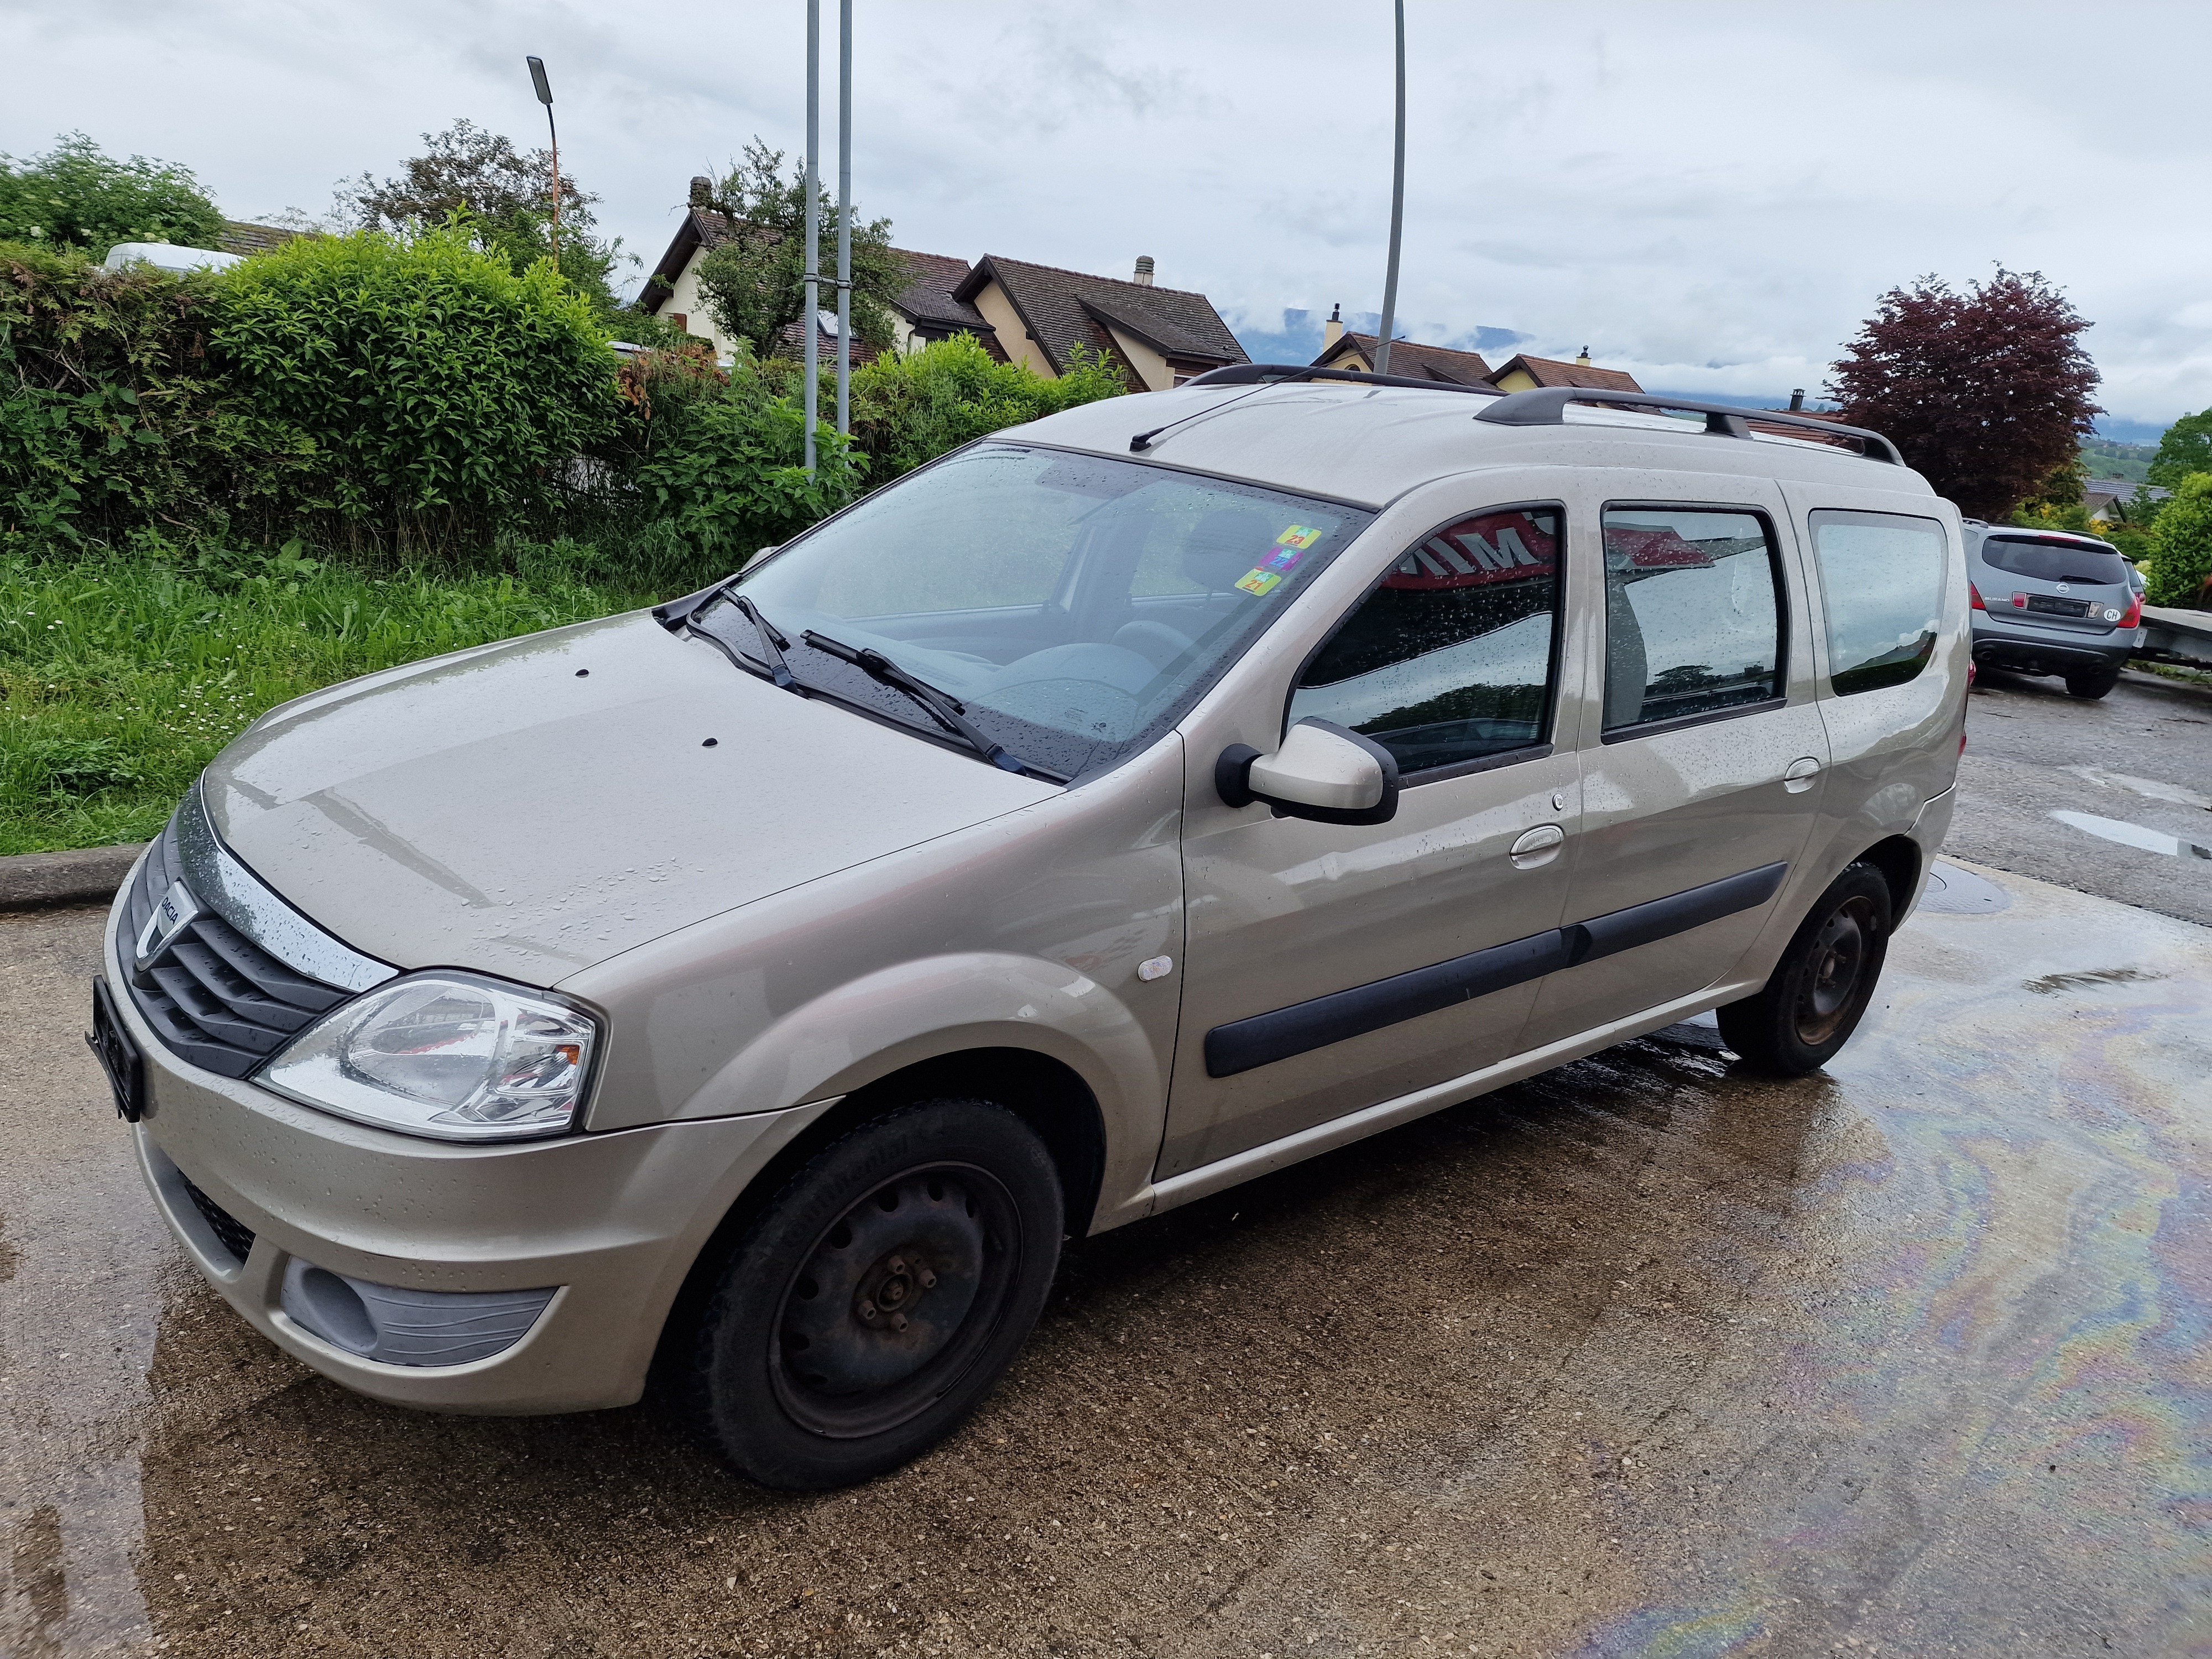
[[1369, 443]]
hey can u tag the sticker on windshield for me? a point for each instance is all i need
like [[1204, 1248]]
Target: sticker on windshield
[[1284, 559], [1259, 583], [1300, 536]]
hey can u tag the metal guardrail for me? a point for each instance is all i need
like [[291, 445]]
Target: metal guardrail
[[2176, 637]]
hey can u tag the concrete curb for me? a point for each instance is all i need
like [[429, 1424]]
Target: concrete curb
[[88, 875]]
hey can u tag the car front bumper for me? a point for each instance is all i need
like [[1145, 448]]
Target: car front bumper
[[611, 1222], [2031, 650]]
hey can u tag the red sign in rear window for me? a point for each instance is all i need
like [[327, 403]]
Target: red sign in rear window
[[1495, 547]]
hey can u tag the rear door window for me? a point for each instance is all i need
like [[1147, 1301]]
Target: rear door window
[[1449, 660], [1693, 615], [1881, 583], [2055, 562]]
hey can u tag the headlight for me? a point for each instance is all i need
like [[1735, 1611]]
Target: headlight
[[448, 1056]]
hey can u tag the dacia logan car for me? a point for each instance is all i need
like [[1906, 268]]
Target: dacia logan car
[[752, 993], [2052, 602]]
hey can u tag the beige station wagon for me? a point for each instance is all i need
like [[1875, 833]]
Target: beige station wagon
[[753, 993]]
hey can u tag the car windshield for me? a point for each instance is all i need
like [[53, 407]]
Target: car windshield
[[2055, 562], [1075, 605]]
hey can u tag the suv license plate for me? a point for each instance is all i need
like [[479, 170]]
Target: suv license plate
[[2054, 607], [119, 1056]]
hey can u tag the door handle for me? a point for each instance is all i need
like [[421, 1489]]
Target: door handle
[[1537, 847], [1800, 776]]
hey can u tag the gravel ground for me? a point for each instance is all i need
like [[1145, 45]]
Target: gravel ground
[[1642, 1357]]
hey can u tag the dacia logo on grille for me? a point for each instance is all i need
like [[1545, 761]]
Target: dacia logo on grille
[[177, 908]]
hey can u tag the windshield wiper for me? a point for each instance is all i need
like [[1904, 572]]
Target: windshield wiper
[[947, 710], [685, 613]]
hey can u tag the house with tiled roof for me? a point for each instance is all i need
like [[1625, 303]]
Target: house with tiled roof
[[1526, 374], [1020, 312], [1041, 314], [1342, 348]]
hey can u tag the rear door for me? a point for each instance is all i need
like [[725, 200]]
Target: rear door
[[2067, 586], [1705, 767]]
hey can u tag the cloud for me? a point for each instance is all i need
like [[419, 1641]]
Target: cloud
[[1711, 194]]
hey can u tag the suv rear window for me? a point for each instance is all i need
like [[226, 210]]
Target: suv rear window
[[2055, 562]]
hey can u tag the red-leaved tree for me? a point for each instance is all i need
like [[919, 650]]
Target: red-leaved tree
[[1987, 392]]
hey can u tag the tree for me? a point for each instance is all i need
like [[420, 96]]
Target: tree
[[1987, 392], [77, 196], [504, 195], [2181, 546], [2186, 447], [754, 283]]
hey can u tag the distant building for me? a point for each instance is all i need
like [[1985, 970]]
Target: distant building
[[1033, 314], [2108, 499], [1343, 348], [239, 237], [1528, 373]]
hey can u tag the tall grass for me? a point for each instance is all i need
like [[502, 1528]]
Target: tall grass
[[122, 676]]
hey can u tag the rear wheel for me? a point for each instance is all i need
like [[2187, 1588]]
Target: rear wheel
[[1813, 1002], [2093, 682], [878, 1297]]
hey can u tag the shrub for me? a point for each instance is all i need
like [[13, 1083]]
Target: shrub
[[444, 392], [2180, 570], [909, 410], [719, 456], [76, 196], [111, 416]]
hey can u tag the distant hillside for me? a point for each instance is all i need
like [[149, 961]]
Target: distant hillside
[[2108, 459]]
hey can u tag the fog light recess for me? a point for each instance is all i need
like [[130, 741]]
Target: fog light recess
[[401, 1327]]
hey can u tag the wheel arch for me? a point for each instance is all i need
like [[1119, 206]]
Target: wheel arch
[[1899, 859], [1046, 1093]]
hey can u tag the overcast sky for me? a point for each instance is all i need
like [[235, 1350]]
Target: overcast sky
[[1710, 195]]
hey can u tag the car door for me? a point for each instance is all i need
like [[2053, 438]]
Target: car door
[[1329, 966], [1703, 771]]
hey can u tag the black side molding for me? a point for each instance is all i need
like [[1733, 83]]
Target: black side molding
[[1242, 1045], [1641, 924]]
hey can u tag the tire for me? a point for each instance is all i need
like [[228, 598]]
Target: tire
[[876, 1297], [2092, 683], [1811, 1004]]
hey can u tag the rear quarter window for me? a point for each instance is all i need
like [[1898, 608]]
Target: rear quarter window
[[1881, 584]]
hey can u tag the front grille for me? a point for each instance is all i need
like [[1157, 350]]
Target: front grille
[[216, 998], [237, 1238]]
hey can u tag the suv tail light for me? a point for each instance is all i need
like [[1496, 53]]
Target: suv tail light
[[1975, 594], [2134, 616]]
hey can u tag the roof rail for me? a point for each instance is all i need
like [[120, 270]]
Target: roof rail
[[1283, 373], [1547, 406]]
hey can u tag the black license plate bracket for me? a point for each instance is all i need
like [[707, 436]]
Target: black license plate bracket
[[118, 1054]]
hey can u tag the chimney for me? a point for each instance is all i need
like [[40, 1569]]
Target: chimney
[[1144, 276], [1584, 361], [1798, 399], [1333, 329], [702, 190]]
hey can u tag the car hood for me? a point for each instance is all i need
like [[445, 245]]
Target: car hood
[[532, 808]]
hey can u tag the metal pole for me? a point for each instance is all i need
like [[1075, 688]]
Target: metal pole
[[1397, 209], [811, 323], [544, 89], [844, 217]]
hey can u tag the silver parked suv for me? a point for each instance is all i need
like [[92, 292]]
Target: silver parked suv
[[2050, 602], [755, 991]]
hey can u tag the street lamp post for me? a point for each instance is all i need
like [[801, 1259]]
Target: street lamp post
[[545, 97], [1397, 209], [812, 321], [844, 217]]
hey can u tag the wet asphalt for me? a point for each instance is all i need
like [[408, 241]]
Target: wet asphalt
[[1644, 1357], [2140, 757]]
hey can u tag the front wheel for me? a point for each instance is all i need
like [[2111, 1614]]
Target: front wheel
[[878, 1297], [1810, 1005]]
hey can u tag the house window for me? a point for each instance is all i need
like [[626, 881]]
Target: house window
[[682, 319]]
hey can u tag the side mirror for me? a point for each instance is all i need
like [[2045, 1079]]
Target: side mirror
[[1322, 771]]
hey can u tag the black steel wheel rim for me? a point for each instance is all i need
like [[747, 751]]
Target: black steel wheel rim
[[895, 1300], [1836, 973]]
